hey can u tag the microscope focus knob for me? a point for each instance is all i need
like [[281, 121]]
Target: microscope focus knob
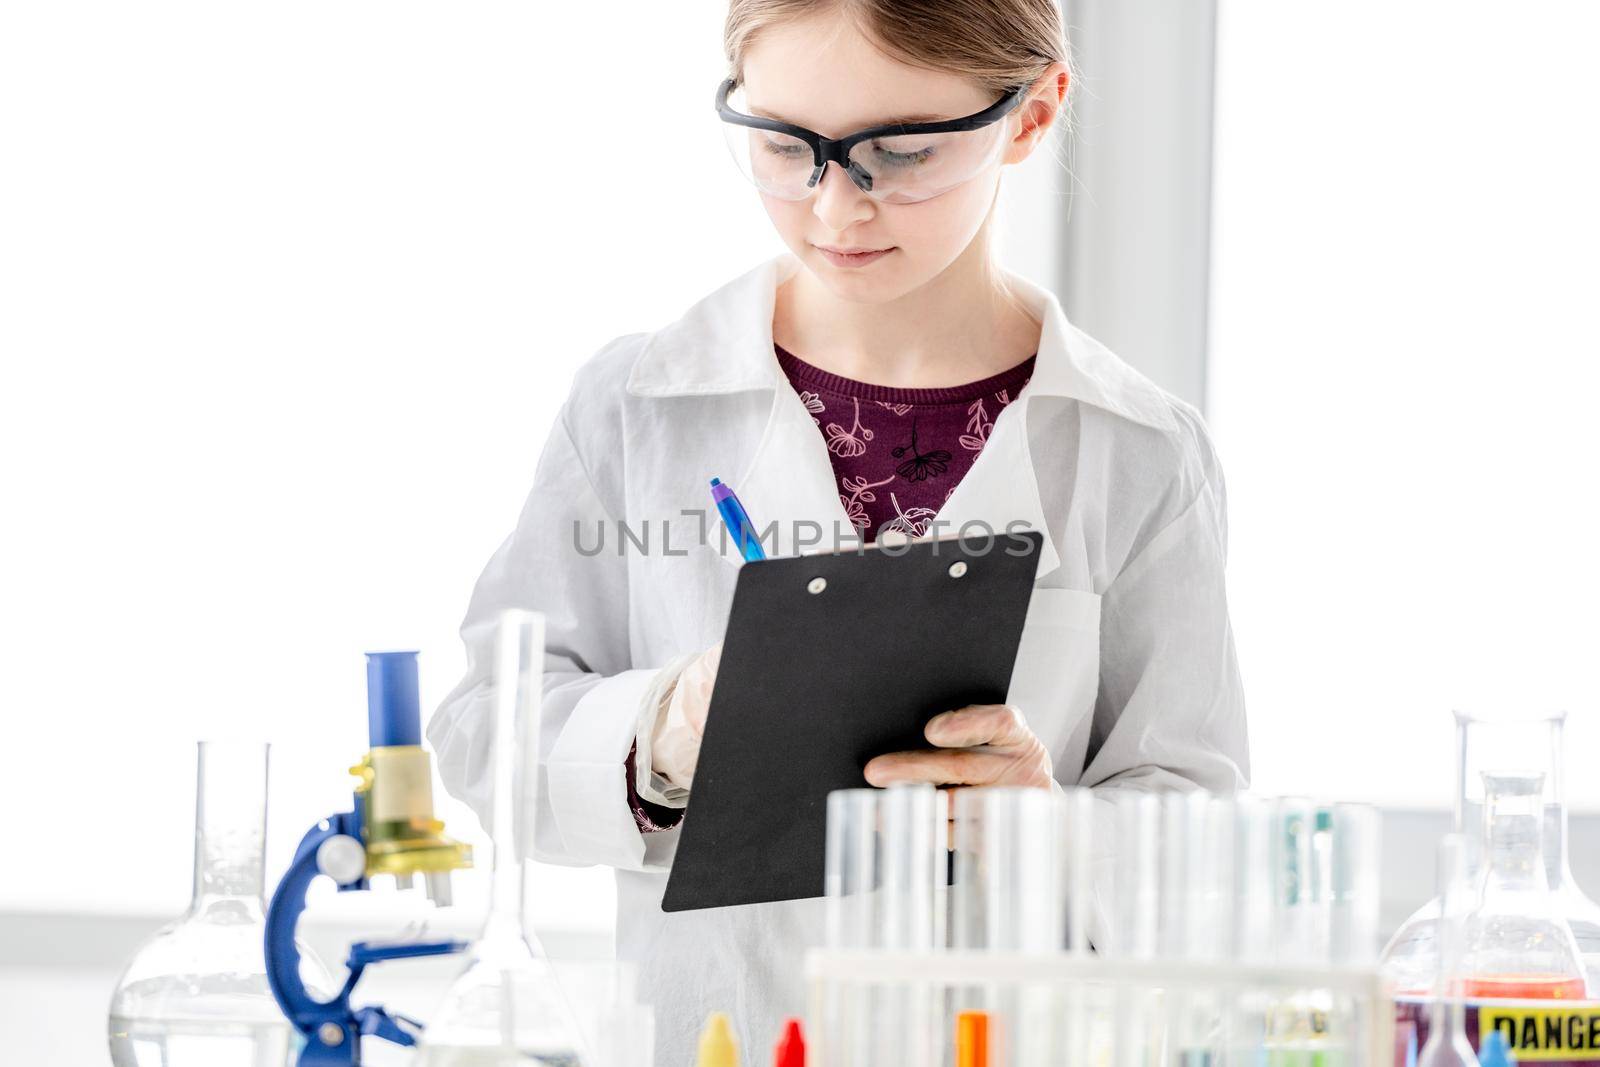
[[342, 858]]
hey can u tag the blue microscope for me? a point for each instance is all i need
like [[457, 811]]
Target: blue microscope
[[390, 829]]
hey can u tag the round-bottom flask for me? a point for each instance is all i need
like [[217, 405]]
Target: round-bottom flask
[[196, 993]]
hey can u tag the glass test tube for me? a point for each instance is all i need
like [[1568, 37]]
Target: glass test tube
[[1077, 856], [1209, 830], [1175, 862], [914, 857], [851, 868], [884, 879], [1293, 868], [1134, 897], [915, 872], [1007, 888], [1133, 923], [1255, 890], [850, 882], [1353, 935], [1072, 1040], [1007, 898]]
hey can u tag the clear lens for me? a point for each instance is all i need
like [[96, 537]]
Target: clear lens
[[778, 165], [914, 167], [896, 170]]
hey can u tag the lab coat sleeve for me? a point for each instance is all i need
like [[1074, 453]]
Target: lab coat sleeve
[[1170, 710], [593, 695]]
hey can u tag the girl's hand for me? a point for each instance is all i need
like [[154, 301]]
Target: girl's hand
[[675, 742], [980, 744]]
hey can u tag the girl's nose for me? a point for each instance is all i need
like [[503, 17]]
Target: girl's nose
[[838, 202]]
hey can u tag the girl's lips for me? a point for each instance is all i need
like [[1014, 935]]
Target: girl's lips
[[852, 259]]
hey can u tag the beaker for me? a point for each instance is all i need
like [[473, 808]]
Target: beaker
[[1503, 745], [1517, 944], [196, 992], [506, 1009]]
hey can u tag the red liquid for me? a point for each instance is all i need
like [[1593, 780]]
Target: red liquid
[[1523, 987]]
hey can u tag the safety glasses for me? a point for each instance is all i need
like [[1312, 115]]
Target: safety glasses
[[899, 163]]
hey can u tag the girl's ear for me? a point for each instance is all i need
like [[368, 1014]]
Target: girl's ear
[[1039, 111]]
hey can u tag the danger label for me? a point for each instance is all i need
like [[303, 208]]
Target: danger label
[[1545, 1033]]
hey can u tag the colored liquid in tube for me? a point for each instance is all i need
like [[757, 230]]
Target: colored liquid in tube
[[972, 1039], [1524, 987]]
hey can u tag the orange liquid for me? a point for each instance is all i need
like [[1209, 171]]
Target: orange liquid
[[972, 1039], [1523, 987]]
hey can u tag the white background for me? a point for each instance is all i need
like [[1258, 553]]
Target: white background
[[289, 295], [1404, 371]]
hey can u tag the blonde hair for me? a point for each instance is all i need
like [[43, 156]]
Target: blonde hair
[[999, 44]]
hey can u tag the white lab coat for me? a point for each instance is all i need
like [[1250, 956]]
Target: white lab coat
[[1126, 669]]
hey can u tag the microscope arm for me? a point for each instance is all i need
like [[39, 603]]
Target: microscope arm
[[332, 1029]]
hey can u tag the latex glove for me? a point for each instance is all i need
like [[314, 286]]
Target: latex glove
[[675, 741], [980, 744]]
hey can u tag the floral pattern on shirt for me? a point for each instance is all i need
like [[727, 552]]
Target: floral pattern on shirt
[[898, 454]]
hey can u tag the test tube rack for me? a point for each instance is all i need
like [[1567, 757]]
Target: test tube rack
[[1223, 931], [1064, 1009]]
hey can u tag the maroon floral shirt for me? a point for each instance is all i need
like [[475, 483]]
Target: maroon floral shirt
[[897, 455]]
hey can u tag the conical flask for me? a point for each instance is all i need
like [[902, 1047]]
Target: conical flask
[[1498, 746], [196, 993], [506, 1008], [1518, 944]]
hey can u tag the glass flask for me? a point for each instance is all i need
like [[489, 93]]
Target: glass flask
[[1447, 1044], [1497, 747], [196, 994], [1518, 945], [506, 1007]]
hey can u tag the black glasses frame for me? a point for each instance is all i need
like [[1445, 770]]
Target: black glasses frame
[[837, 150]]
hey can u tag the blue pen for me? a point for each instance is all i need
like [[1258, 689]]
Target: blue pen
[[736, 520]]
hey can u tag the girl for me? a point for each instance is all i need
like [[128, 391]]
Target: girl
[[884, 377]]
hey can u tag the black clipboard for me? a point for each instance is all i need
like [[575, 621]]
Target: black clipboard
[[829, 660]]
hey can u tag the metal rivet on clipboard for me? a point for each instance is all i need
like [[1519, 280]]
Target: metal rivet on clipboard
[[958, 568], [817, 585]]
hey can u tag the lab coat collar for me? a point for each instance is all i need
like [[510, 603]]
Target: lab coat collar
[[723, 344]]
